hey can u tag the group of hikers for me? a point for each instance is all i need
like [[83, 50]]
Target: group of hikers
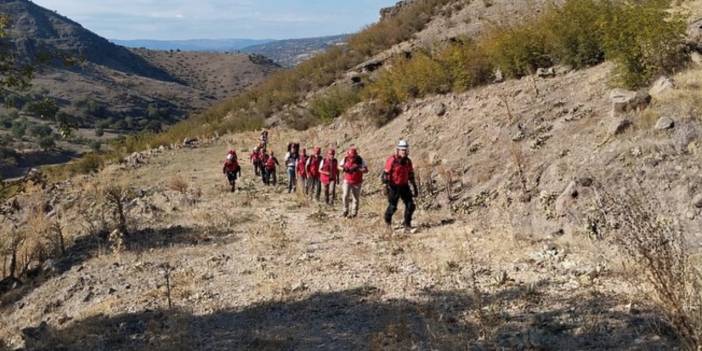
[[315, 174]]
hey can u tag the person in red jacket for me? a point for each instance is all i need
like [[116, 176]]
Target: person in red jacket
[[312, 169], [301, 172], [354, 167], [256, 160], [398, 175], [271, 164], [329, 176], [231, 169]]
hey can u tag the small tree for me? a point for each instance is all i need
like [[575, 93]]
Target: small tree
[[47, 143]]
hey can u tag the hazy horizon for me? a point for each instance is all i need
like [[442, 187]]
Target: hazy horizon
[[170, 20]]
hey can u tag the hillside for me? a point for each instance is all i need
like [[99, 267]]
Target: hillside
[[213, 45], [104, 87], [556, 211], [291, 52]]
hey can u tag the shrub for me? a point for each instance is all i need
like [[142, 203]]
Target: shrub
[[644, 40], [466, 64], [409, 78], [517, 50], [40, 130], [47, 142], [334, 103]]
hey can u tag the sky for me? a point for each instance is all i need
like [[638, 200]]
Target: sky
[[219, 19]]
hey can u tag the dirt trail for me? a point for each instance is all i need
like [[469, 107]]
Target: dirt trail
[[265, 270]]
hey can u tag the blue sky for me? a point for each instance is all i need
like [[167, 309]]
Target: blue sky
[[218, 19]]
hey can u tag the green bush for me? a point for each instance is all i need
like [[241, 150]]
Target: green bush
[[47, 142], [334, 103], [575, 31], [40, 130], [467, 65], [409, 78], [644, 40], [518, 50]]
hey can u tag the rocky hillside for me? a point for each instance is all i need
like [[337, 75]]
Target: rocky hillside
[[291, 52], [100, 89]]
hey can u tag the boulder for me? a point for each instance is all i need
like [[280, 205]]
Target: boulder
[[694, 34], [697, 201], [664, 123], [499, 76], [439, 109], [661, 85], [626, 100], [618, 126], [546, 72]]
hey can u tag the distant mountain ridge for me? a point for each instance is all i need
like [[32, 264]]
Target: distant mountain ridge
[[216, 45], [287, 52]]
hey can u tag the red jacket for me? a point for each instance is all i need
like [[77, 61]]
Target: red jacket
[[231, 167], [271, 162], [354, 167], [301, 166], [329, 171], [399, 170], [313, 166]]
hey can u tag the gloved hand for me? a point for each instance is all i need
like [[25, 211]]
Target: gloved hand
[[416, 192], [386, 190]]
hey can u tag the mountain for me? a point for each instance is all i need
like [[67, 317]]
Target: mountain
[[107, 86], [217, 45], [291, 52]]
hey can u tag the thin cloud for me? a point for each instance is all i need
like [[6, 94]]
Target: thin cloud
[[187, 19]]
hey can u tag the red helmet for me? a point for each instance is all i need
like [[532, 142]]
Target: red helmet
[[232, 152]]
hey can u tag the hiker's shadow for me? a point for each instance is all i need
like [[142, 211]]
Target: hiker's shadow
[[361, 319]]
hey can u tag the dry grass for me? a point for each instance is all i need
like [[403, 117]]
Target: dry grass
[[178, 184], [656, 243]]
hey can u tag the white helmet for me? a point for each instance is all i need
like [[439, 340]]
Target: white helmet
[[230, 157], [402, 145]]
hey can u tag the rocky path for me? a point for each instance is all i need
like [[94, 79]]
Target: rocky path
[[261, 269]]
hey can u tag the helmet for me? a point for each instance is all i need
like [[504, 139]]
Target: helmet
[[230, 157], [402, 145]]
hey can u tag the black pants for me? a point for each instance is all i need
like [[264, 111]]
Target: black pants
[[231, 176], [395, 193]]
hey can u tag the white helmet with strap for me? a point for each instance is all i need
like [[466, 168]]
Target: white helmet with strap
[[402, 145]]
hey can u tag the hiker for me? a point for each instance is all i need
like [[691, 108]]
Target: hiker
[[291, 160], [329, 176], [262, 163], [353, 167], [231, 169], [312, 169], [301, 171], [264, 139], [256, 160], [398, 175]]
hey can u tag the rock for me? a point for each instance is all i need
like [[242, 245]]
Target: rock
[[50, 266], [694, 34], [697, 201], [562, 69], [546, 72], [618, 126], [439, 109], [499, 76], [37, 333], [626, 100], [696, 58], [661, 85], [665, 123]]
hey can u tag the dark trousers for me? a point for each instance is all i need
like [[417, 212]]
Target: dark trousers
[[314, 188], [395, 193], [231, 176], [329, 193], [292, 179], [269, 176]]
